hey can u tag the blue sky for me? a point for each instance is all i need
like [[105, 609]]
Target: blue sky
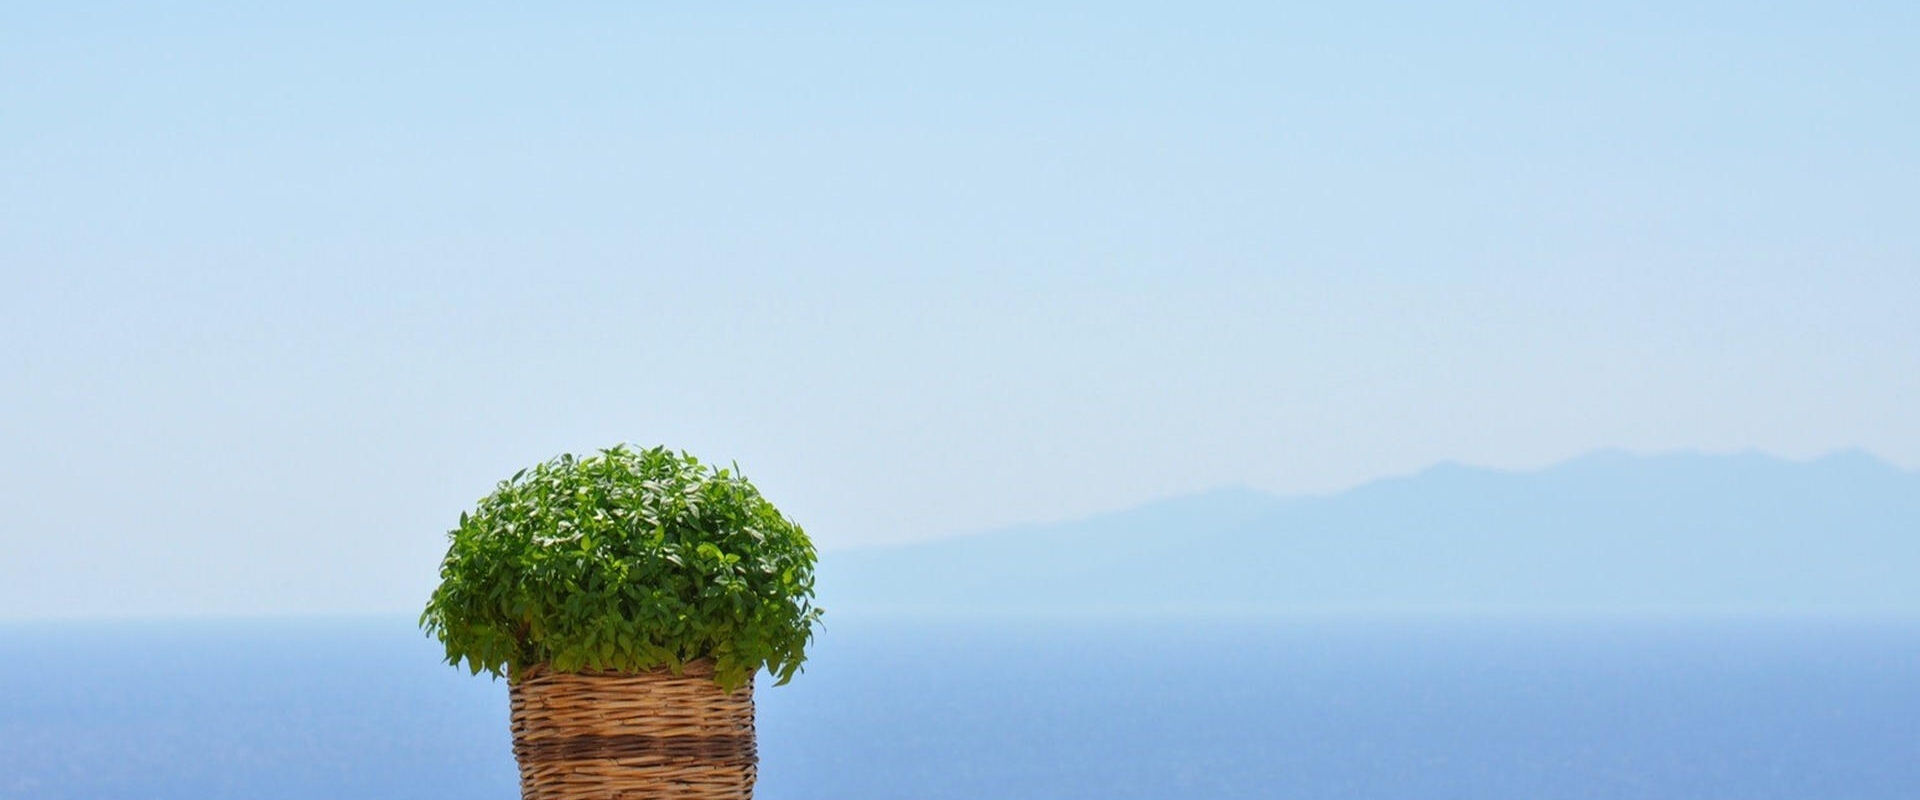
[[287, 288]]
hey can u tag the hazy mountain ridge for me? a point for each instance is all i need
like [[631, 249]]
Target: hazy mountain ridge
[[1609, 531]]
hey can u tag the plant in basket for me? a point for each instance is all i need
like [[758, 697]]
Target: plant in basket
[[629, 597]]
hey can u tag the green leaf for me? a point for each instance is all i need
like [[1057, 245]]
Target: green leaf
[[626, 559]]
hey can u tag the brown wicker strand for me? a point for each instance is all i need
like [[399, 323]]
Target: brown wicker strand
[[653, 735]]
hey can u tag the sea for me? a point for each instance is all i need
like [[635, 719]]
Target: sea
[[980, 708]]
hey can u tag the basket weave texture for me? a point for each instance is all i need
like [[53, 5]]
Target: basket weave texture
[[617, 736]]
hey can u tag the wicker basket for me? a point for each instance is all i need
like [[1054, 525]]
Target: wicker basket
[[651, 735]]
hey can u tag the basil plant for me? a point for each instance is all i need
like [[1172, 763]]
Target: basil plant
[[626, 561]]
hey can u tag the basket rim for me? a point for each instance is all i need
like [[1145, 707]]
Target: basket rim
[[697, 668]]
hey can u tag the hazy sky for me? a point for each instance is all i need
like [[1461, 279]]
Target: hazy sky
[[285, 290]]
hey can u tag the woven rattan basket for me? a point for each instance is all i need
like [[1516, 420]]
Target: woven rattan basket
[[653, 735]]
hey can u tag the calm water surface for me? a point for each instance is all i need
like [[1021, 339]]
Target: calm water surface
[[1025, 709]]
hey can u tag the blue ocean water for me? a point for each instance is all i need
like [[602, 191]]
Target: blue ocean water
[[901, 708]]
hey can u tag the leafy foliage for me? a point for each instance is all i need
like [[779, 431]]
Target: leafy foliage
[[628, 560]]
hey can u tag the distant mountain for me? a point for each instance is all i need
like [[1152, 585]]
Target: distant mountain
[[1607, 532]]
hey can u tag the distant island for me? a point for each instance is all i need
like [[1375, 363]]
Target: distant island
[[1609, 532]]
